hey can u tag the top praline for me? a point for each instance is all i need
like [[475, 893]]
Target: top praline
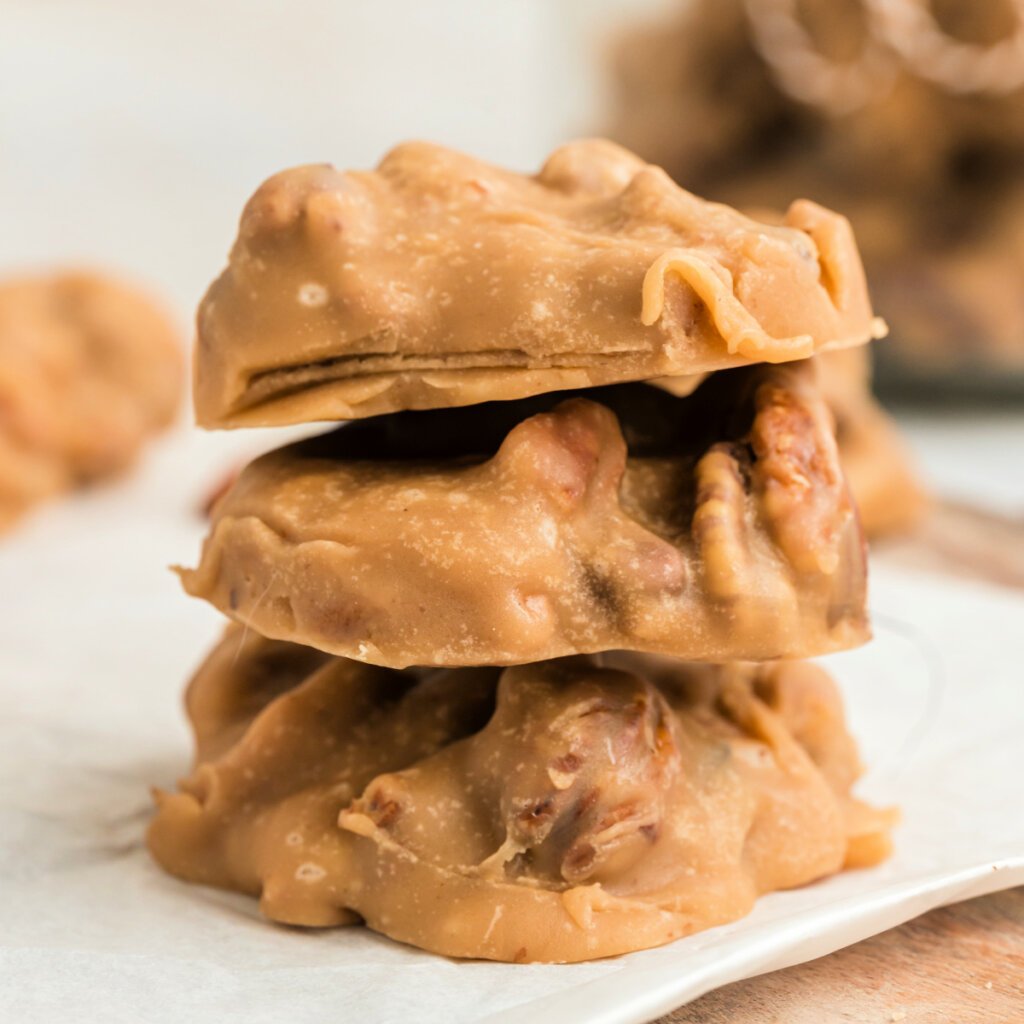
[[440, 280]]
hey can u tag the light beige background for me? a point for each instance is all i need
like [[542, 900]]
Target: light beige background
[[132, 131]]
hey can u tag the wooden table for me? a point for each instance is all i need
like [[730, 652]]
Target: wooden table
[[962, 964]]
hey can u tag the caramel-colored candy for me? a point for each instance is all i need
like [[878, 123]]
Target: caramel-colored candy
[[439, 280], [560, 811], [714, 527]]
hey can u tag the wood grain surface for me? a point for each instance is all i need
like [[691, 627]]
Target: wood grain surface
[[962, 964]]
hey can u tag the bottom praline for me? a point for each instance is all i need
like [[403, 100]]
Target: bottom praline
[[559, 811]]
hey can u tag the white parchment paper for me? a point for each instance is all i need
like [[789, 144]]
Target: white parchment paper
[[96, 640]]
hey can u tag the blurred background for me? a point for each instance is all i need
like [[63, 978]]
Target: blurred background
[[131, 134]]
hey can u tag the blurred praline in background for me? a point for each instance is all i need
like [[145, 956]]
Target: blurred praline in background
[[906, 115]]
